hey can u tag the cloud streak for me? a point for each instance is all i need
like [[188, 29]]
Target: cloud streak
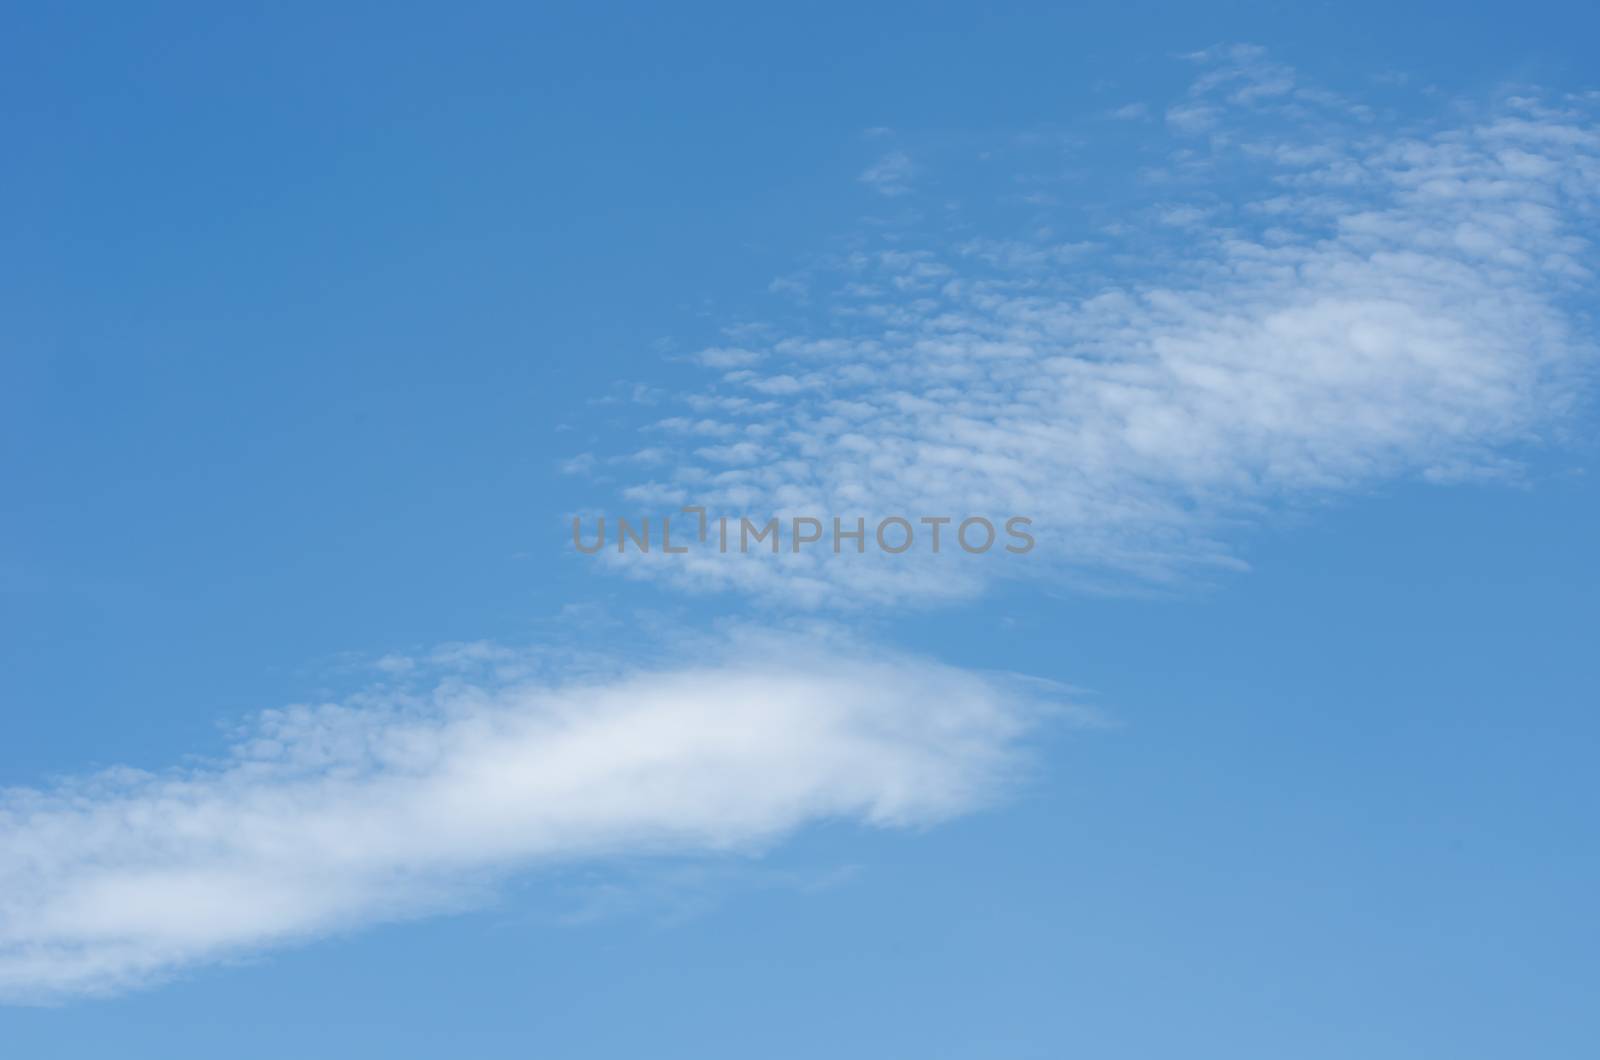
[[413, 797], [1310, 300]]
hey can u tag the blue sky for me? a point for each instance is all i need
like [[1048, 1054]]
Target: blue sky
[[319, 327]]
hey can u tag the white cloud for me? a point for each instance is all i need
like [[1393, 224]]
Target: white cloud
[[1350, 306], [582, 464], [890, 175], [726, 357], [403, 800], [1193, 118]]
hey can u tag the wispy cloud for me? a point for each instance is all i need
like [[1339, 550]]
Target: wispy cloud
[[1309, 302], [890, 175], [416, 796]]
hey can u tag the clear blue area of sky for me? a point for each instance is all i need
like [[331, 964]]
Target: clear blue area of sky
[[292, 302]]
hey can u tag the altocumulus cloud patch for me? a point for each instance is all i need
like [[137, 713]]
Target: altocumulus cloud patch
[[1309, 298]]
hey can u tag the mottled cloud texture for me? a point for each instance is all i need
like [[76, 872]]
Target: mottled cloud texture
[[1297, 295], [1308, 298]]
